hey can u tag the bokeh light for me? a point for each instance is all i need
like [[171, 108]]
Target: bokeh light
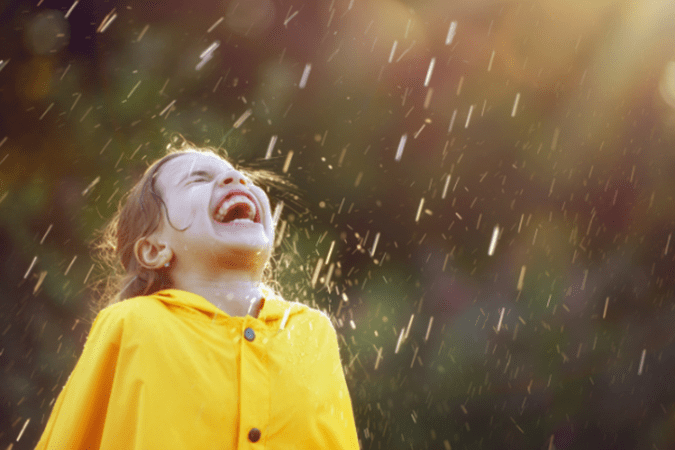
[[47, 33]]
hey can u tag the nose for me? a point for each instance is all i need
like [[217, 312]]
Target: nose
[[233, 177]]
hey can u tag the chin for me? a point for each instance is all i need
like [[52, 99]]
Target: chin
[[241, 241], [252, 247]]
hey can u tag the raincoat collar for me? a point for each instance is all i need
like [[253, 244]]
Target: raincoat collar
[[273, 307]]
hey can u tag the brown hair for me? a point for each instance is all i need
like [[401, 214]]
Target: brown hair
[[139, 215]]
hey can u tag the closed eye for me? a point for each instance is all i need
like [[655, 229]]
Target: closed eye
[[198, 176]]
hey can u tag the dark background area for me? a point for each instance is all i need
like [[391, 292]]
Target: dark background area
[[550, 122]]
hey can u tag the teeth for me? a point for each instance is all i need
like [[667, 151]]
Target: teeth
[[236, 200]]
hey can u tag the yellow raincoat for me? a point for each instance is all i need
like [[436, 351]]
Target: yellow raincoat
[[172, 371]]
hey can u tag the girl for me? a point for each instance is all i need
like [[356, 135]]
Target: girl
[[200, 354]]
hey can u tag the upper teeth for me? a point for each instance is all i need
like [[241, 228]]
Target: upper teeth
[[234, 200]]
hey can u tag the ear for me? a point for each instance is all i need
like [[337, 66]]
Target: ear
[[151, 253]]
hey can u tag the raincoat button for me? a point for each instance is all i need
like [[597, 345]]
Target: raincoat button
[[249, 334], [254, 435]]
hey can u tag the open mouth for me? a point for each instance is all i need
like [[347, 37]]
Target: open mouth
[[236, 207]]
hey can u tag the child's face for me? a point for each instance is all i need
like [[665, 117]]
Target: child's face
[[218, 214]]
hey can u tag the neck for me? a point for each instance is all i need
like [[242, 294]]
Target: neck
[[236, 293]]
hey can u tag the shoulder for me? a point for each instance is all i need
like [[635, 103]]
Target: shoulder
[[290, 314], [321, 318], [130, 322], [129, 312], [316, 316]]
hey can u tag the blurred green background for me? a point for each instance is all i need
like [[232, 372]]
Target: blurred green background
[[419, 134]]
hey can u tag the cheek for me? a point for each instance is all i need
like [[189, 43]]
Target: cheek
[[182, 210], [185, 203], [264, 201]]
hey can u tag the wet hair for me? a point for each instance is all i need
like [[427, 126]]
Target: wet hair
[[140, 214]]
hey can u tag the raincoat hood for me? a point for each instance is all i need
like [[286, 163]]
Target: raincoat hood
[[273, 308]]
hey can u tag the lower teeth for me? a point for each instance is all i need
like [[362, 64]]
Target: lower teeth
[[236, 220]]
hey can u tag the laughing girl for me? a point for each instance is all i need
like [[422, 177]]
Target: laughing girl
[[196, 353]]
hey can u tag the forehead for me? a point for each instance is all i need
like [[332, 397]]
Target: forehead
[[181, 166]]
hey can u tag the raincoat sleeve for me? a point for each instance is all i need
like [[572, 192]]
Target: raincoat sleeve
[[343, 419], [78, 417]]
